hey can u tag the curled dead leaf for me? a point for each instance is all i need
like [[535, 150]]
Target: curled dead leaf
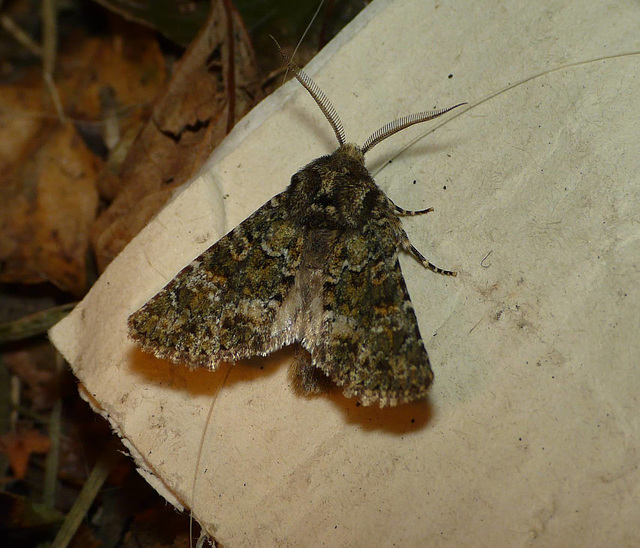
[[210, 89]]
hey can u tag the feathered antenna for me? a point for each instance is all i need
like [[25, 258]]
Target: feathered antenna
[[401, 123], [332, 116], [318, 95]]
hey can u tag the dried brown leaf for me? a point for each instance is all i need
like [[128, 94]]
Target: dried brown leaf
[[108, 84], [18, 446], [47, 197], [208, 92]]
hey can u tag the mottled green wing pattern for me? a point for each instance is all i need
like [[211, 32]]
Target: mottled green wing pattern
[[224, 306], [369, 341]]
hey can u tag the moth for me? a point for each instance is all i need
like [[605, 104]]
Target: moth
[[316, 265]]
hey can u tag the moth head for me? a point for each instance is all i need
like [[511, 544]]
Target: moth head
[[332, 116]]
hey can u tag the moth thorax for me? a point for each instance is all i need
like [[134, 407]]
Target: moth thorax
[[351, 150]]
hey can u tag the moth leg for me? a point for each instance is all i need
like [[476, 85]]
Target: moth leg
[[429, 265], [413, 250], [306, 378], [410, 212]]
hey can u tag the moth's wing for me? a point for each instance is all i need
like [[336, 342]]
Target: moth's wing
[[228, 304], [368, 341]]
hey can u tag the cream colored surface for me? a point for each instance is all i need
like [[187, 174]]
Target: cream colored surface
[[532, 433]]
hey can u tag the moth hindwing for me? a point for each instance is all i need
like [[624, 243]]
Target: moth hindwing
[[317, 265]]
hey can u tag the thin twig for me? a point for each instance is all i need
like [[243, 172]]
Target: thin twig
[[52, 461], [19, 35], [87, 495], [49, 51]]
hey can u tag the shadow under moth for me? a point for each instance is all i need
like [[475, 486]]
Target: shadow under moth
[[316, 265]]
